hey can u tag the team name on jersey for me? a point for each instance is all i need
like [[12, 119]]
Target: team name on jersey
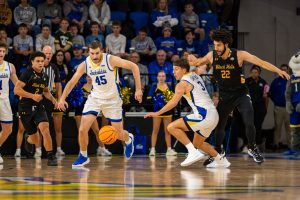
[[97, 72], [195, 77], [3, 75], [38, 85], [229, 66]]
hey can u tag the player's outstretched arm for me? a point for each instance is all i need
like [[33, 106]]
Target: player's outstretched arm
[[207, 59], [179, 92], [245, 56], [119, 62], [70, 85]]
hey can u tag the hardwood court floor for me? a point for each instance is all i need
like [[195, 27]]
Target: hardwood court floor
[[150, 178]]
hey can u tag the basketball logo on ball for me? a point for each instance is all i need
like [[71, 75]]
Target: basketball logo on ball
[[107, 135]]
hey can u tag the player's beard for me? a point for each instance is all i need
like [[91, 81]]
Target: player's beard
[[222, 53]]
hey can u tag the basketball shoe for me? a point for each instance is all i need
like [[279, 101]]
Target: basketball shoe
[[102, 151], [51, 160], [219, 163], [255, 154], [129, 148], [81, 161], [152, 152], [192, 157], [1, 159], [211, 159], [171, 152]]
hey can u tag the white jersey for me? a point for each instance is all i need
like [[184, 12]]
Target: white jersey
[[198, 98], [4, 80], [105, 78]]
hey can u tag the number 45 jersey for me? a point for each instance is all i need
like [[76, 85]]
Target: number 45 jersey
[[105, 78]]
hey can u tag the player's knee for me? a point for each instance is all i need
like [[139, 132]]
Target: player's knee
[[170, 128]]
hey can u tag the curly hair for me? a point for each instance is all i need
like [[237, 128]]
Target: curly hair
[[222, 35]]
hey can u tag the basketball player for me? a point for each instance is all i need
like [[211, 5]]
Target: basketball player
[[227, 70], [105, 97], [203, 120], [7, 72], [30, 88]]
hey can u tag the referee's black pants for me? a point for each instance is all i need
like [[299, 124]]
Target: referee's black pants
[[244, 106]]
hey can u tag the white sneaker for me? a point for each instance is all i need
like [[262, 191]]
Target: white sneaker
[[18, 153], [222, 163], [171, 152], [1, 159], [60, 153], [152, 152], [102, 151], [191, 158], [37, 154]]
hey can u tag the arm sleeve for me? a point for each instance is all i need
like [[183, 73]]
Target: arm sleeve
[[17, 15], [38, 44], [93, 14], [123, 45], [107, 14], [33, 17], [152, 46]]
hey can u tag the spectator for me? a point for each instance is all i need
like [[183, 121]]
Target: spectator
[[116, 42], [76, 11], [190, 45], [167, 43], [158, 89], [65, 72], [78, 56], [281, 116], [5, 14], [24, 13], [258, 90], [49, 13], [95, 34], [45, 39], [189, 20], [23, 47], [76, 38], [8, 41], [135, 58], [223, 9], [144, 45], [100, 12], [63, 39], [162, 16], [160, 64]]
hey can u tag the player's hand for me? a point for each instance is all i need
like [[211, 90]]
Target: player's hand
[[283, 74], [37, 97], [192, 60], [151, 114], [138, 95], [62, 105], [54, 102]]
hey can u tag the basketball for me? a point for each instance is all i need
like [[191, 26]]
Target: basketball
[[107, 135]]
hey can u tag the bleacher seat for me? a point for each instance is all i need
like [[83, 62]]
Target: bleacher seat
[[118, 16], [140, 20], [211, 20]]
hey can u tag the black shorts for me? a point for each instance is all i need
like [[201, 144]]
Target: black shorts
[[32, 118], [78, 110]]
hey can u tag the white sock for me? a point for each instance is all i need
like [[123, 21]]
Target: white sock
[[58, 148], [169, 148], [152, 148], [39, 149], [18, 150], [218, 157], [128, 141], [190, 147], [102, 148], [84, 153]]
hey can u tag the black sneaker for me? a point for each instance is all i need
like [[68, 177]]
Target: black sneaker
[[255, 154], [211, 159], [52, 161], [28, 147]]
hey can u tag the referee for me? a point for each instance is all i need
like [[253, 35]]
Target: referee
[[54, 85], [227, 70]]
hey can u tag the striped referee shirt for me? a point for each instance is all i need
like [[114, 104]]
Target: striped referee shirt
[[53, 74]]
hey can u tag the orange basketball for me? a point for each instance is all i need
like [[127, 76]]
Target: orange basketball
[[107, 135]]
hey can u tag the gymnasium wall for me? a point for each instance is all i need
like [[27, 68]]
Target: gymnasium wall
[[269, 29]]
